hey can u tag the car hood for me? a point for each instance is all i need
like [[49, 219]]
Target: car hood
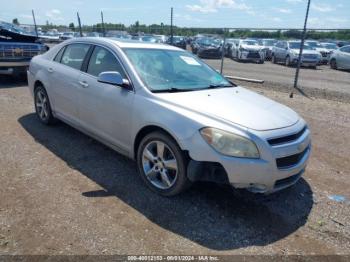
[[235, 105], [252, 47]]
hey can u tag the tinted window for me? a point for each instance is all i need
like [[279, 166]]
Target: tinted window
[[74, 55], [345, 49], [102, 61], [59, 55]]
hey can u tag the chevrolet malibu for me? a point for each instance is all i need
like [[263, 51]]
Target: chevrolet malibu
[[177, 117]]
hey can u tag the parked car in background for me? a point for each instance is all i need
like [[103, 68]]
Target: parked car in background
[[17, 48], [287, 52], [267, 45], [177, 41], [326, 50], [342, 43], [150, 39], [67, 36], [340, 58], [248, 50], [208, 47], [325, 53], [94, 34], [228, 46], [176, 116], [161, 38]]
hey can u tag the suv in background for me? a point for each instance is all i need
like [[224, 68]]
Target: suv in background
[[248, 50], [17, 48], [287, 52]]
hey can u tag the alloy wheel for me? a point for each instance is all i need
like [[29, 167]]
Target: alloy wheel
[[42, 105], [159, 165]]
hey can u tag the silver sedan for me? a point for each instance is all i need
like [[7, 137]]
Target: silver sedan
[[340, 58], [177, 117]]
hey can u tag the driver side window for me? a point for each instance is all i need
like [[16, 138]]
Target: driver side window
[[103, 60]]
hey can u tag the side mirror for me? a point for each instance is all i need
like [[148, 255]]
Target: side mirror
[[113, 78]]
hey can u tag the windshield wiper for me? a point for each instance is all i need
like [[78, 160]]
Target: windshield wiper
[[173, 90]]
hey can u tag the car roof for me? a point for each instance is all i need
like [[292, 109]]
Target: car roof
[[122, 43]]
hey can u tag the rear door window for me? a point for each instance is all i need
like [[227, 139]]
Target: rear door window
[[74, 55]]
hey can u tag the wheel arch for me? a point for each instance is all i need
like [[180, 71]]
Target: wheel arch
[[144, 131], [38, 83]]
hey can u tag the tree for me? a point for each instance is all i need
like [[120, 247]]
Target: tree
[[71, 26], [15, 21]]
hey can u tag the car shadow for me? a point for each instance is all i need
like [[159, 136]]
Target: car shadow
[[7, 81], [213, 216]]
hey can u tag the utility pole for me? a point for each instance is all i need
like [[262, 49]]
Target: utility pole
[[223, 52], [36, 29], [171, 27], [301, 49], [79, 22], [103, 25]]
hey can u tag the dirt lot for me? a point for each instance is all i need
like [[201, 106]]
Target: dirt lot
[[64, 193], [322, 83]]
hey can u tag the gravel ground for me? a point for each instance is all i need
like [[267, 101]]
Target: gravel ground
[[64, 193], [321, 83]]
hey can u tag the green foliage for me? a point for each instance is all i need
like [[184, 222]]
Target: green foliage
[[164, 29]]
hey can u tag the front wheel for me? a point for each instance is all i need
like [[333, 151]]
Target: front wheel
[[162, 164], [287, 61], [42, 106], [333, 64]]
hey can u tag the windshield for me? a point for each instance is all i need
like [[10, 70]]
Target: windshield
[[269, 42], [250, 42], [170, 70], [296, 45], [209, 41], [312, 44], [329, 46]]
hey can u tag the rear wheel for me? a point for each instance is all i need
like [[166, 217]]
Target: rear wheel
[[333, 64], [162, 164], [42, 106], [273, 59]]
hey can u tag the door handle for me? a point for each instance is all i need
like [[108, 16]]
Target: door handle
[[83, 84], [50, 70]]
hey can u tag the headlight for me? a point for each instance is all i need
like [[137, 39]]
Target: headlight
[[229, 144]]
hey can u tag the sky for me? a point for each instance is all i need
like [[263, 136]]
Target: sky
[[191, 13]]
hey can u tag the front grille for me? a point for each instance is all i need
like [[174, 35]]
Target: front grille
[[290, 161], [309, 56], [286, 139], [253, 55], [22, 51], [324, 54]]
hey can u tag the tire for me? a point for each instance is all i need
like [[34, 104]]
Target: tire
[[333, 64], [287, 62], [165, 180], [42, 106], [261, 61], [273, 59]]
